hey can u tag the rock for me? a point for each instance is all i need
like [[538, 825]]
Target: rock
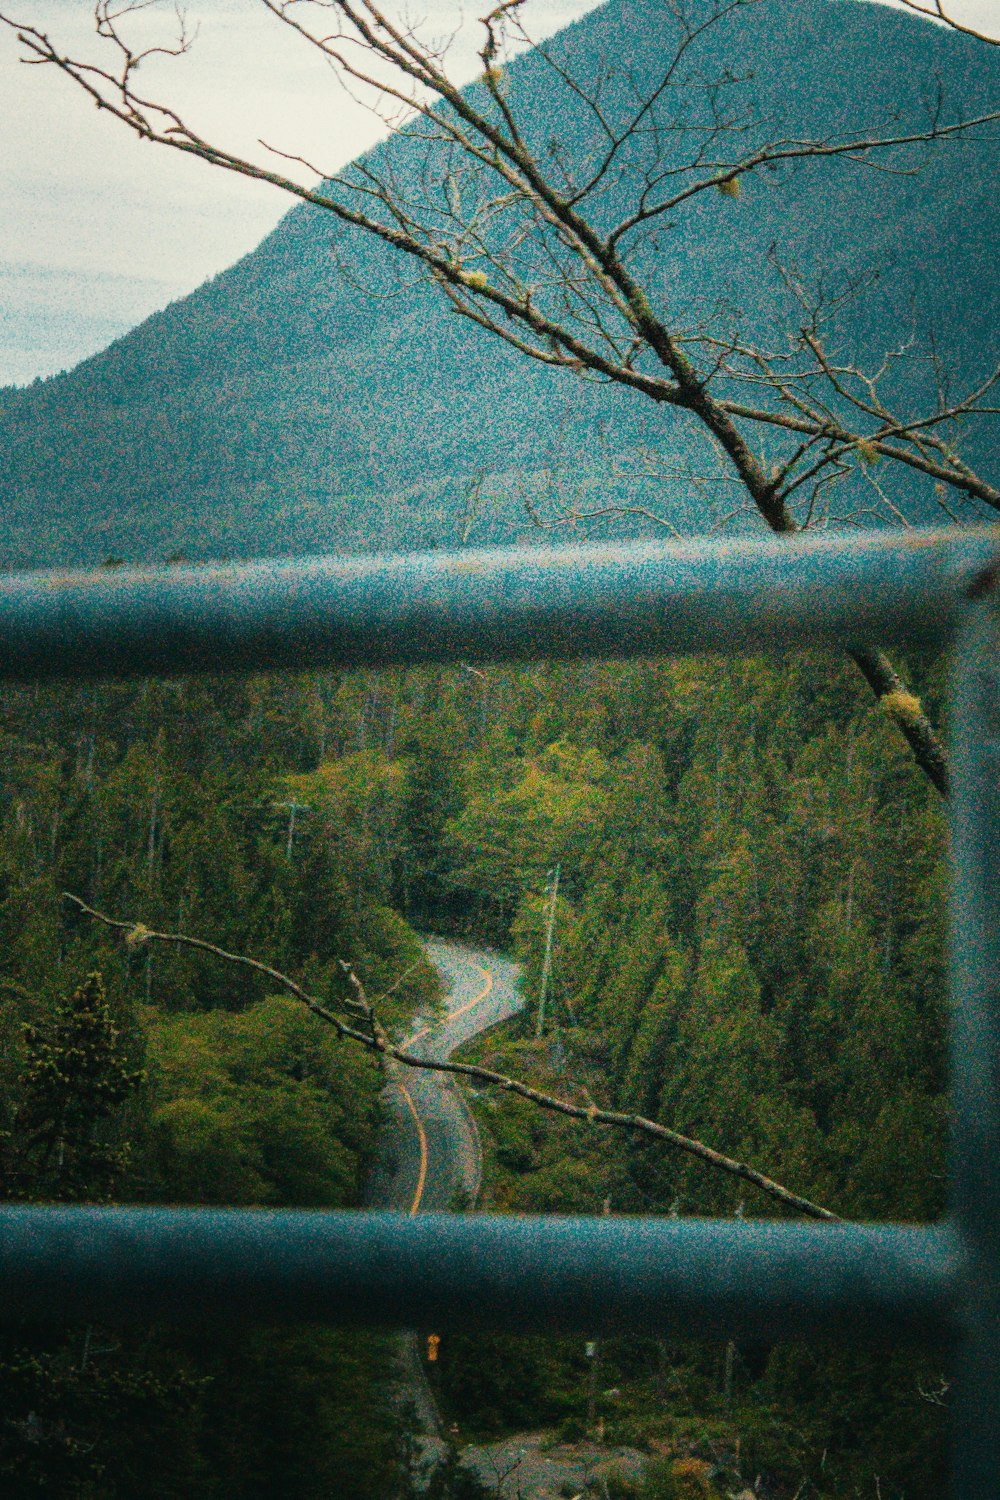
[[692, 1477]]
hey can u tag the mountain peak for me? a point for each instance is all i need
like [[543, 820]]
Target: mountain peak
[[282, 408]]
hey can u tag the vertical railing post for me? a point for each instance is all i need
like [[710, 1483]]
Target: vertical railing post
[[976, 1042]]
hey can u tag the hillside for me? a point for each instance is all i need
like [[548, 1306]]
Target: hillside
[[279, 409]]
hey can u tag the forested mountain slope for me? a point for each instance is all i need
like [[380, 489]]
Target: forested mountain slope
[[278, 408]]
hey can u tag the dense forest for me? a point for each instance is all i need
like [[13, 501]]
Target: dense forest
[[136, 1076], [748, 947]]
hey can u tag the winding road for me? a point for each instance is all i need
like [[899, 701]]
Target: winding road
[[430, 1158]]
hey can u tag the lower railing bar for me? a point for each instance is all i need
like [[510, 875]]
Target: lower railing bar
[[510, 604], [699, 1278]]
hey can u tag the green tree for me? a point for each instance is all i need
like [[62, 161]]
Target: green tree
[[64, 1141], [74, 1405], [547, 808], [433, 753]]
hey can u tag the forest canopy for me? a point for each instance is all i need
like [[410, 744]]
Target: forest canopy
[[748, 946]]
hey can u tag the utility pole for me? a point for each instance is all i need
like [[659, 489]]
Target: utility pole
[[731, 1350], [727, 1380], [293, 808], [593, 1353], [553, 891]]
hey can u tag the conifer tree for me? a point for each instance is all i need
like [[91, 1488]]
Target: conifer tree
[[65, 1141]]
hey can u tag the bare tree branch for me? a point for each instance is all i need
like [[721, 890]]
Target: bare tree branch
[[376, 1040], [937, 11], [526, 253], [858, 150]]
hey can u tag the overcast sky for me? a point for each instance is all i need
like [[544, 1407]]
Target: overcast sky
[[99, 230]]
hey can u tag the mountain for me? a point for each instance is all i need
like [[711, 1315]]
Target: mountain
[[280, 408]]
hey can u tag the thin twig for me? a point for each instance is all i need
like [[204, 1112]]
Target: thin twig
[[136, 934]]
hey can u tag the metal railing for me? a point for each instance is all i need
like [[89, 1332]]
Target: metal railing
[[763, 1279]]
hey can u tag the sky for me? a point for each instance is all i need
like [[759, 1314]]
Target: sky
[[98, 230]]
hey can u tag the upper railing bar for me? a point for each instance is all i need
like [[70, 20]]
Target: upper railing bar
[[509, 604], [652, 1276]]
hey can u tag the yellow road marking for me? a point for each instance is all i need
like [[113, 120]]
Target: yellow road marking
[[425, 1030], [422, 1135], [421, 1132], [481, 996]]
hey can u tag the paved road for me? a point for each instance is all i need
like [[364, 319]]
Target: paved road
[[430, 1159], [430, 1154]]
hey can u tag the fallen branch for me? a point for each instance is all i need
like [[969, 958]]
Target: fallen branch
[[376, 1040]]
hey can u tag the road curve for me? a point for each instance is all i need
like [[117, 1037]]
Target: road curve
[[430, 1158], [429, 1155]]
